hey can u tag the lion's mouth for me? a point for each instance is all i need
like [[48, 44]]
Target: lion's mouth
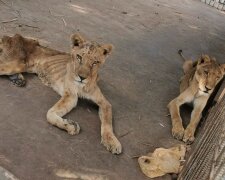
[[204, 91], [79, 80]]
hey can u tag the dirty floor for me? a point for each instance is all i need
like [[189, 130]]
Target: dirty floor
[[139, 79]]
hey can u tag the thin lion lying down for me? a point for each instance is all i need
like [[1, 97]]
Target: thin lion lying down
[[70, 75], [196, 85]]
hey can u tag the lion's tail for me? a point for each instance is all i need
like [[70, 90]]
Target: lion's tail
[[180, 52], [188, 63]]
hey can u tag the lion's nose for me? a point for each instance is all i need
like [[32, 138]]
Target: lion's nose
[[207, 89], [82, 78]]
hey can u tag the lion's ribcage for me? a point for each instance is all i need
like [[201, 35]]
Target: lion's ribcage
[[52, 69]]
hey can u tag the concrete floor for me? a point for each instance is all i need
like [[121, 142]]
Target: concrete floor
[[139, 79]]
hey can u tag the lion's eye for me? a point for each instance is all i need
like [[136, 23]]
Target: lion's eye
[[79, 58], [217, 78]]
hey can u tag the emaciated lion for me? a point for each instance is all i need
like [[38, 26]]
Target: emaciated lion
[[70, 75], [197, 84]]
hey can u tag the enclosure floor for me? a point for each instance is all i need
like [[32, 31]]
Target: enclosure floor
[[139, 79]]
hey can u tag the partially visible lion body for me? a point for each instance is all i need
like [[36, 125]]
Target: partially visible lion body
[[70, 75], [50, 65], [197, 84]]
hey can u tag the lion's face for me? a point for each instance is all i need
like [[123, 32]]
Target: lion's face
[[208, 73], [87, 58]]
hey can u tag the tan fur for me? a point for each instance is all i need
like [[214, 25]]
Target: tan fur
[[198, 82], [70, 75], [162, 161]]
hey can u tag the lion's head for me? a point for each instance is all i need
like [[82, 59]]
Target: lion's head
[[208, 73], [87, 58]]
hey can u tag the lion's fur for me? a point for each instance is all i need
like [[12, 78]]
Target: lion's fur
[[70, 75], [196, 85]]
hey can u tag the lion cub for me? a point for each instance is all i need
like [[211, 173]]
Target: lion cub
[[70, 75], [197, 84]]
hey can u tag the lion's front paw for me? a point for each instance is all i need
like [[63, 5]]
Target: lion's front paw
[[178, 132], [72, 127], [188, 136], [111, 143]]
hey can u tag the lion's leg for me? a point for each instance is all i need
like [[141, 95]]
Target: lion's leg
[[109, 140], [62, 107], [199, 105], [14, 69], [174, 108]]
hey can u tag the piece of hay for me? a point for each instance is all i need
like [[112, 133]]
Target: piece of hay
[[162, 161]]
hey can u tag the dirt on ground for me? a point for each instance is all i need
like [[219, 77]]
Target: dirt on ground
[[139, 79]]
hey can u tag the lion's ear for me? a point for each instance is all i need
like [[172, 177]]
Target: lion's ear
[[77, 40], [107, 49], [204, 59]]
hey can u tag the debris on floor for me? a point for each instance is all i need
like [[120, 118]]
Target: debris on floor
[[162, 161]]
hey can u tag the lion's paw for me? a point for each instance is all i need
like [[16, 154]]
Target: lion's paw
[[72, 127], [188, 136], [17, 80], [111, 143], [178, 132]]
